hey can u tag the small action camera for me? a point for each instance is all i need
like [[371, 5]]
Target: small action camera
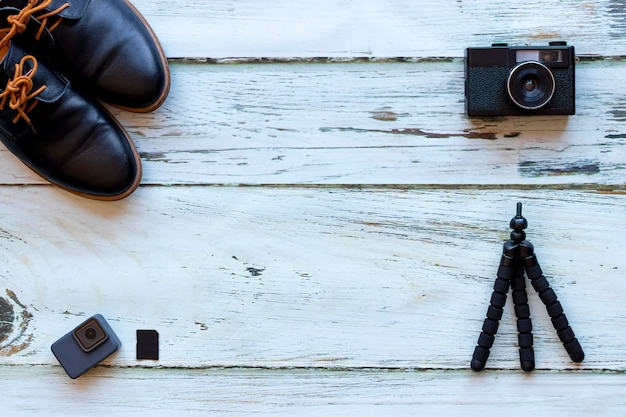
[[504, 80], [86, 346]]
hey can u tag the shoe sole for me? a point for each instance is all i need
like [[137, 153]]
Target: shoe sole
[[161, 99]]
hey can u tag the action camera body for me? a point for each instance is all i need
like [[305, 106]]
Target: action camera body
[[86, 346]]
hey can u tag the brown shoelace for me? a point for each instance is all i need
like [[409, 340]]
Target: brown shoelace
[[18, 91], [19, 21]]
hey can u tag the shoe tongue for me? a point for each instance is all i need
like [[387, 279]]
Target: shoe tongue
[[55, 84]]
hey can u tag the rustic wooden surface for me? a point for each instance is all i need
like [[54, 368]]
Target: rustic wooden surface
[[319, 225]]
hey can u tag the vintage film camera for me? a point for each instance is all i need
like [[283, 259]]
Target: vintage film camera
[[504, 80], [86, 346]]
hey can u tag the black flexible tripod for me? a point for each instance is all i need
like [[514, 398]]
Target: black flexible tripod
[[518, 256]]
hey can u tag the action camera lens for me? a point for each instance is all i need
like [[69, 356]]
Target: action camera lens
[[530, 85], [91, 333]]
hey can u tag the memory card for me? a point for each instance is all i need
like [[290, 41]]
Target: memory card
[[148, 344]]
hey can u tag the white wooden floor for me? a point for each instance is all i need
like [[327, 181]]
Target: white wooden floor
[[319, 225]]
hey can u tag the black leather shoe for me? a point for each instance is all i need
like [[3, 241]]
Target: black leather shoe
[[63, 136], [105, 47]]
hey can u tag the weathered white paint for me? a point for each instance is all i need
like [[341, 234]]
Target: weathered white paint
[[376, 28], [386, 123], [351, 275], [310, 392]]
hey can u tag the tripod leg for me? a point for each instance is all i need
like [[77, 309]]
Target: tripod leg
[[553, 306], [494, 314], [524, 323]]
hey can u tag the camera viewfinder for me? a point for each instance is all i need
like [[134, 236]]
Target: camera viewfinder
[[548, 56]]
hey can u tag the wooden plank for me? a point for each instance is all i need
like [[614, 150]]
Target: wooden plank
[[379, 123], [220, 392], [357, 281], [379, 28], [297, 277]]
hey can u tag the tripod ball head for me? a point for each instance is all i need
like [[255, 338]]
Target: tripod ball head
[[518, 224]]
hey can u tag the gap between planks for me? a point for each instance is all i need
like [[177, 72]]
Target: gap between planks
[[349, 60], [617, 189]]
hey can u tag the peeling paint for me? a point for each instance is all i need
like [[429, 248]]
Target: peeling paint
[[9, 236], [7, 315], [432, 135], [203, 326], [618, 114], [14, 319], [386, 114], [424, 133], [255, 272], [155, 156], [554, 168]]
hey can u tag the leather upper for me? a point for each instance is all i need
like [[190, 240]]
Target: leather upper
[[75, 11], [70, 140], [105, 47]]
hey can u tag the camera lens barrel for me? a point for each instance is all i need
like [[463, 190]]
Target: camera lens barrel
[[530, 85], [90, 335]]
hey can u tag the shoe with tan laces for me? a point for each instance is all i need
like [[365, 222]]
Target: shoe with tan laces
[[105, 47], [63, 136]]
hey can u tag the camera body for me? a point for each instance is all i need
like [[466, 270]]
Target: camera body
[[520, 80], [86, 346]]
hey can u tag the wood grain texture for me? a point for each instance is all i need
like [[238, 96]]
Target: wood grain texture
[[371, 28], [319, 225], [360, 123], [310, 277], [304, 392]]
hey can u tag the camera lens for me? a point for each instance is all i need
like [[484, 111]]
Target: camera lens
[[91, 333], [530, 85]]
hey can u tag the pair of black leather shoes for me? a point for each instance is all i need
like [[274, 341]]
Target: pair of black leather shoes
[[58, 59]]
